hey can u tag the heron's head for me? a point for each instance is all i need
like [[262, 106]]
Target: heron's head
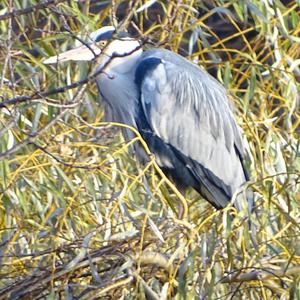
[[105, 42]]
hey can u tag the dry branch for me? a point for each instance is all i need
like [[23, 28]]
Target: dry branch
[[28, 10], [262, 274]]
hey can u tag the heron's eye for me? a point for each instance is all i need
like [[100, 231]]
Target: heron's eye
[[102, 43]]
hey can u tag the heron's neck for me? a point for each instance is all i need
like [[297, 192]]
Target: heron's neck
[[118, 88]]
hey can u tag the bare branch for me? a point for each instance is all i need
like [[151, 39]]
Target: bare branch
[[261, 275], [30, 9], [37, 95]]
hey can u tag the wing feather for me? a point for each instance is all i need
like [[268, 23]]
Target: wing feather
[[188, 110]]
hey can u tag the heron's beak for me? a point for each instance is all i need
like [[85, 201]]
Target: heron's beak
[[82, 53]]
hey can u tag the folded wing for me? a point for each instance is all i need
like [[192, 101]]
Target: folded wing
[[185, 118]]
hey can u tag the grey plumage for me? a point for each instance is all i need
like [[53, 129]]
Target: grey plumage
[[183, 114]]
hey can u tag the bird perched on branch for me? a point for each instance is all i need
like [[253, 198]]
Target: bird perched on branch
[[182, 112]]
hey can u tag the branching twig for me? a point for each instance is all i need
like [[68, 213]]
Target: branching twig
[[261, 275], [30, 9]]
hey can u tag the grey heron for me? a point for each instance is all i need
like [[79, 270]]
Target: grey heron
[[181, 111]]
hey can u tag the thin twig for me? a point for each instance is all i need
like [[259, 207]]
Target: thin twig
[[30, 9], [261, 274]]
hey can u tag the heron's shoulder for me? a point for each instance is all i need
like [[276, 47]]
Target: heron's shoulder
[[176, 67], [164, 64], [145, 66], [170, 58]]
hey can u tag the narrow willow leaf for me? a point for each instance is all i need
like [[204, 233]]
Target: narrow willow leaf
[[256, 12], [10, 140], [227, 75], [37, 116], [66, 179], [252, 86], [146, 5], [155, 230]]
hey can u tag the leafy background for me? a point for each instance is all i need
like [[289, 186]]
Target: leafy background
[[79, 218]]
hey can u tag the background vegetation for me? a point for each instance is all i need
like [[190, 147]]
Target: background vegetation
[[79, 219]]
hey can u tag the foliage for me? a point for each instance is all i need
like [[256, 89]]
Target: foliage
[[80, 218]]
